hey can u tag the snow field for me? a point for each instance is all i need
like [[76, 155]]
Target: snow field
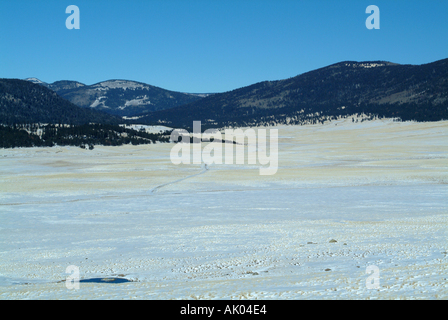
[[181, 232]]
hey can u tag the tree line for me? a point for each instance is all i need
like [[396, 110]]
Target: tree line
[[34, 135]]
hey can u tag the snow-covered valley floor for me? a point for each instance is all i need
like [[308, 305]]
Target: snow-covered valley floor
[[345, 197]]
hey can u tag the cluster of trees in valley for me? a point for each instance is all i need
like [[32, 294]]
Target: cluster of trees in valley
[[85, 136]]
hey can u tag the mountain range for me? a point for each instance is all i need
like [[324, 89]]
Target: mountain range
[[373, 88], [119, 97], [26, 102]]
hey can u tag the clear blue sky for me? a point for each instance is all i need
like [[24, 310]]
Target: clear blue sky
[[211, 45]]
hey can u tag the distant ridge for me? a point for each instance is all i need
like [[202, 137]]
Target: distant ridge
[[376, 88], [124, 98], [28, 102], [373, 88]]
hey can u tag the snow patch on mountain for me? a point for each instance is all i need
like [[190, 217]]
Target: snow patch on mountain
[[120, 84], [138, 101], [35, 80], [366, 65], [99, 102]]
